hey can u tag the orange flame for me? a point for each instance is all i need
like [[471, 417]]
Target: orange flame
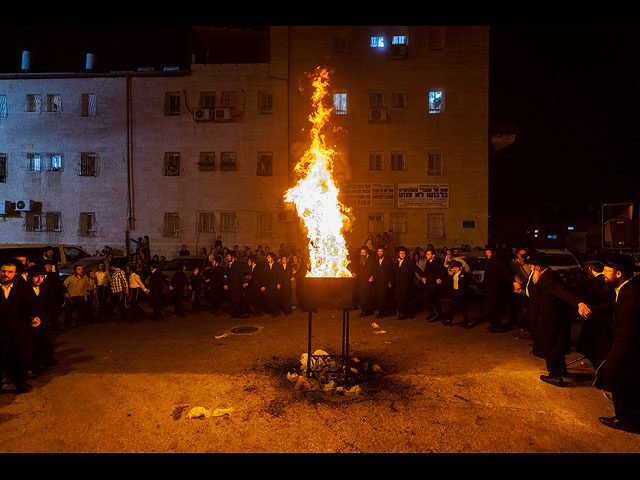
[[315, 196]]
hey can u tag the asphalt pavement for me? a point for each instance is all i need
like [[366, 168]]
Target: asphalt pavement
[[209, 383]]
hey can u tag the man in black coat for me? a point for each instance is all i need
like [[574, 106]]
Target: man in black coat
[[255, 288], [214, 284], [404, 273], [459, 288], [550, 314], [383, 280], [436, 276], [53, 291], [42, 347], [17, 318], [157, 281], [620, 371], [497, 286], [285, 279], [364, 273], [234, 284]]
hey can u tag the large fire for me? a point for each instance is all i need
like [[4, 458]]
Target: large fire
[[315, 196]]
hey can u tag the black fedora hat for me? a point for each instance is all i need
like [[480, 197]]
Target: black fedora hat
[[623, 263], [538, 258]]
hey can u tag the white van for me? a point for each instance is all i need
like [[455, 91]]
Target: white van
[[62, 254]]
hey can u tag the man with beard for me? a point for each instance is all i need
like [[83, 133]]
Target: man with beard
[[254, 289], [285, 278], [41, 355], [435, 274], [53, 291], [364, 273], [404, 271], [620, 371], [272, 286], [214, 284], [550, 314], [383, 280], [16, 321], [235, 280]]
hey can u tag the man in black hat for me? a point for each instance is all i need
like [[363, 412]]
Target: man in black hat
[[41, 348], [157, 281], [549, 316], [620, 372], [404, 272]]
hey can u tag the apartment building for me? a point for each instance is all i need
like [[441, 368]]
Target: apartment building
[[185, 156]]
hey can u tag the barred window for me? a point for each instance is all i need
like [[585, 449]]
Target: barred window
[[229, 100], [3, 106], [171, 224], [376, 161], [399, 222], [265, 103], [398, 99], [265, 224], [435, 225], [265, 164], [54, 221], [88, 165], [376, 100], [54, 103], [3, 167], [34, 222], [436, 101], [208, 100], [54, 162], [340, 103], [398, 161], [436, 164], [376, 223], [206, 222], [34, 162], [172, 164], [172, 103], [34, 102], [228, 161], [207, 161], [89, 105], [228, 222]]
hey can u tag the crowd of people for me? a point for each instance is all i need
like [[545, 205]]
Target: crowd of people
[[389, 280]]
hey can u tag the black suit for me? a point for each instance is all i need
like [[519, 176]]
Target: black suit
[[497, 286], [383, 280], [285, 275], [404, 274], [156, 286], [235, 280], [253, 296], [460, 296], [620, 371], [434, 270], [365, 270], [41, 336], [594, 340], [272, 292]]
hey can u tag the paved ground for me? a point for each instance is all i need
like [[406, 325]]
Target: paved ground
[[131, 388]]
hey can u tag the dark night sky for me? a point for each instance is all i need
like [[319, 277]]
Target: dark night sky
[[570, 92]]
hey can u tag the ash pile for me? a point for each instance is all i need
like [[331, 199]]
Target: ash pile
[[334, 375]]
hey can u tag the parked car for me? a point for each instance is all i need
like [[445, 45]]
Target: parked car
[[477, 266], [565, 263], [90, 263], [62, 254]]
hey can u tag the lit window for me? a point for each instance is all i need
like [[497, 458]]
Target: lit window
[[340, 103], [399, 40], [54, 103], [377, 42], [436, 101], [89, 105], [55, 162], [34, 102], [3, 106], [34, 162]]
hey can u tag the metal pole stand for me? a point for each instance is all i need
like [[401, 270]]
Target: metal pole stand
[[345, 348]]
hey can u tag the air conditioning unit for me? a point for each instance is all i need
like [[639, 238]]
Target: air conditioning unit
[[378, 115], [23, 205], [202, 115], [222, 114]]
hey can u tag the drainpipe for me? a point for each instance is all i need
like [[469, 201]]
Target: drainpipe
[[130, 208]]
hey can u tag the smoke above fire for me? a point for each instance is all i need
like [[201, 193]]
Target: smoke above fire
[[315, 196]]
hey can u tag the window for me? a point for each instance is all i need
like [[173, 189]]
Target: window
[[376, 161], [399, 40], [88, 165], [89, 105], [398, 99], [340, 103], [436, 101], [54, 221], [228, 161], [229, 100], [377, 42], [207, 161], [376, 100], [54, 162], [265, 164], [340, 42], [34, 222], [34, 162], [228, 222], [376, 222], [206, 222], [435, 225], [172, 103], [3, 106], [171, 225], [398, 161], [172, 164], [208, 100], [265, 103], [399, 222], [3, 168], [435, 164], [54, 103], [87, 224], [265, 221], [34, 102]]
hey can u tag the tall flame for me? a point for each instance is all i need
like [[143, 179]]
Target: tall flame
[[316, 195]]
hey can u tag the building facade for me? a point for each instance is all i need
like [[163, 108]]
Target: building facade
[[187, 156]]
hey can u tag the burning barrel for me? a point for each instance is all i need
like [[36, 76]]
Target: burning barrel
[[328, 292]]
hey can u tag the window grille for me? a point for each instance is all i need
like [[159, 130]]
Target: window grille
[[398, 99], [208, 100], [34, 162], [207, 161], [171, 225], [435, 225], [206, 222], [54, 163], [34, 102], [228, 161], [89, 105], [54, 103], [88, 165], [265, 103], [228, 222], [376, 222], [399, 222], [436, 101], [265, 164], [265, 224], [376, 100], [376, 161], [172, 164], [172, 103], [3, 106], [340, 103], [398, 161], [436, 164]]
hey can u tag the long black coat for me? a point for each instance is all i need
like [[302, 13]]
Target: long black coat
[[434, 270], [365, 288], [594, 340], [622, 365], [550, 310], [383, 276], [403, 279], [235, 279], [496, 285]]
